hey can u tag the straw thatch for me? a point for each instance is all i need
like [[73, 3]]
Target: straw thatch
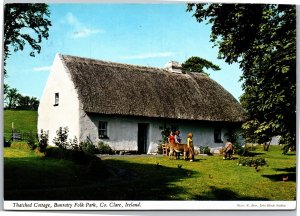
[[121, 89]]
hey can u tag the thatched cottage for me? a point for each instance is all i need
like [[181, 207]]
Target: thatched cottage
[[127, 106]]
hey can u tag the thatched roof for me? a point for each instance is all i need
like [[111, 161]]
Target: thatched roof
[[122, 89]]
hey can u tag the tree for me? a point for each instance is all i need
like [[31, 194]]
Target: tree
[[25, 23], [262, 39], [14, 100], [197, 64], [11, 98], [27, 103]]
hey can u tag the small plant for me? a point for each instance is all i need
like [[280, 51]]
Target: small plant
[[43, 141], [204, 150], [88, 147], [104, 148], [251, 162], [75, 145], [61, 139], [31, 141]]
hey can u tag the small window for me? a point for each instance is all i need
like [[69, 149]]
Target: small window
[[102, 130], [218, 135], [56, 102]]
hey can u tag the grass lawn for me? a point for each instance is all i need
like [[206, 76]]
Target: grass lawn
[[24, 121], [31, 177]]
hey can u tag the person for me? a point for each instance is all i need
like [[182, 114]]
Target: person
[[190, 146], [228, 150], [177, 137], [171, 138]]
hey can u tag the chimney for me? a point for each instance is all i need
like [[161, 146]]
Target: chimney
[[173, 66]]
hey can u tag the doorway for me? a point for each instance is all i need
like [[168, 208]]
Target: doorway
[[142, 138]]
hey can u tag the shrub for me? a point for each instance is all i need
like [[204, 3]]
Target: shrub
[[67, 154], [55, 152], [242, 151], [43, 141], [61, 139], [88, 147], [104, 148], [251, 162], [204, 150], [7, 143], [31, 141], [75, 146]]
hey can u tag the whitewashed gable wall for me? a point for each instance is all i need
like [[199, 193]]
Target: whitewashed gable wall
[[51, 117]]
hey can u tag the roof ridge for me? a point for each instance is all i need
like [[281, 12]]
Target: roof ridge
[[111, 63]]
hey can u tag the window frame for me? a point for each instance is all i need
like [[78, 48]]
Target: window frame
[[103, 130], [56, 99], [218, 135]]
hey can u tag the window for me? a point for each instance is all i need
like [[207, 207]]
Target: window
[[218, 135], [56, 99], [102, 130]]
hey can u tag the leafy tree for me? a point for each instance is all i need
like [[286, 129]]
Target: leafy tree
[[262, 39], [25, 23], [27, 103], [197, 64], [14, 100], [11, 98]]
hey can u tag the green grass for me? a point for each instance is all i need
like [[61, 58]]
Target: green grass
[[24, 121], [149, 178]]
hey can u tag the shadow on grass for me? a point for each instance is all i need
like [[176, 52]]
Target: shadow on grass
[[51, 179], [282, 177], [252, 154], [289, 175], [289, 169], [224, 194]]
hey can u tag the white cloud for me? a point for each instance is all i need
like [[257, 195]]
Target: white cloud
[[44, 68], [149, 55], [79, 29], [86, 32]]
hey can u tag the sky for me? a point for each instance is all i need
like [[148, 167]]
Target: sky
[[139, 34]]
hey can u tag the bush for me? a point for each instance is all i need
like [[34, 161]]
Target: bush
[[251, 162], [242, 151], [67, 154], [88, 147], [75, 145], [31, 141], [43, 141], [204, 150], [61, 139], [6, 143], [104, 148]]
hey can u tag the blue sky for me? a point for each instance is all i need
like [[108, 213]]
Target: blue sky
[[140, 34]]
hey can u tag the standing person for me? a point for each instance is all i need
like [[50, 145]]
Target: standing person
[[171, 138], [190, 146], [228, 150], [177, 137]]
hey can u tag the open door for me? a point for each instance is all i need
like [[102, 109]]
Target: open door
[[142, 138]]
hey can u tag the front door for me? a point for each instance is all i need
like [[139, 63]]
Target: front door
[[142, 138]]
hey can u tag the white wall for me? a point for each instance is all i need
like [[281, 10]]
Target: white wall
[[51, 117], [123, 131]]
